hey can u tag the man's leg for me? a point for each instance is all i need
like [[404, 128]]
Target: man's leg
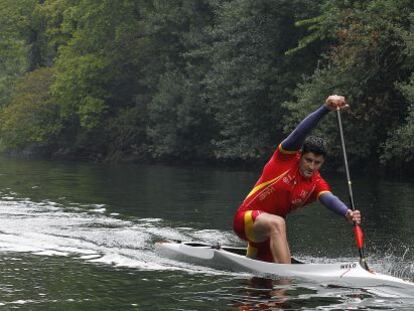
[[273, 227]]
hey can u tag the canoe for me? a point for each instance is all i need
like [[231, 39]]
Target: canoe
[[345, 274]]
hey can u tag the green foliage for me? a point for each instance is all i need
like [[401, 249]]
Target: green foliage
[[93, 78], [27, 39], [400, 145], [126, 132], [79, 88], [398, 149], [180, 123], [204, 79], [251, 75], [14, 63], [32, 117], [366, 63], [52, 17], [14, 49]]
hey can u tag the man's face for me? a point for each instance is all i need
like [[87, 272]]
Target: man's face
[[310, 163]]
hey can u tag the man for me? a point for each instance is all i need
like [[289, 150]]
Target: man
[[289, 180]]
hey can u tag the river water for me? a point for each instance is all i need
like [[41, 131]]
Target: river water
[[78, 236]]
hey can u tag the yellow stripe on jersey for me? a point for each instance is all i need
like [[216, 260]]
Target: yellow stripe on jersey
[[322, 192], [266, 183], [286, 151], [248, 226], [251, 251]]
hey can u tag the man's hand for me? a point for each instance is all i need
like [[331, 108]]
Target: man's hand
[[353, 216], [334, 101]]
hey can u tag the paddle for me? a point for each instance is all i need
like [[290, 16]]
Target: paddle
[[359, 234]]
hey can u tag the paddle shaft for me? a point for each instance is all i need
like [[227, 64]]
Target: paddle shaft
[[348, 175], [359, 235]]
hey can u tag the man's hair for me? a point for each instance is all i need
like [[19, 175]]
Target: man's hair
[[316, 145]]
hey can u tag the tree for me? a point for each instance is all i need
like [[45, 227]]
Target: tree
[[399, 147], [365, 61], [32, 117], [92, 70], [180, 122], [15, 24], [251, 75]]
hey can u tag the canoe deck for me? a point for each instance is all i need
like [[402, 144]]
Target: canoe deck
[[348, 274]]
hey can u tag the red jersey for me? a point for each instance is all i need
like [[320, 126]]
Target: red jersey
[[281, 188]]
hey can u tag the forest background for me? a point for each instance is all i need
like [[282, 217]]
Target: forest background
[[206, 81]]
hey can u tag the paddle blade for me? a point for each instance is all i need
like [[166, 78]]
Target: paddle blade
[[359, 236]]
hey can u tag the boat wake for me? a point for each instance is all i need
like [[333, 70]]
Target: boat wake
[[91, 234]]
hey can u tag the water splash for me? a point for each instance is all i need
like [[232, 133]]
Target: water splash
[[396, 259]]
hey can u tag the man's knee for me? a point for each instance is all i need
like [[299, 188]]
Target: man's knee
[[277, 225], [272, 223]]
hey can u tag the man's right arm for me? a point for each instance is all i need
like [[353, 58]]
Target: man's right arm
[[295, 139]]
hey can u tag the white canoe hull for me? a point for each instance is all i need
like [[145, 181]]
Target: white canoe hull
[[347, 274]]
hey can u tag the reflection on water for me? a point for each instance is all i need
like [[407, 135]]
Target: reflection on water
[[284, 294], [79, 236], [262, 294]]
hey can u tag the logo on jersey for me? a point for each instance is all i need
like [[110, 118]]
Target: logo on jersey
[[268, 191], [303, 194]]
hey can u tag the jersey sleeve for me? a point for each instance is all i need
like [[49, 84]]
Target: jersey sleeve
[[281, 154], [321, 186], [333, 203]]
